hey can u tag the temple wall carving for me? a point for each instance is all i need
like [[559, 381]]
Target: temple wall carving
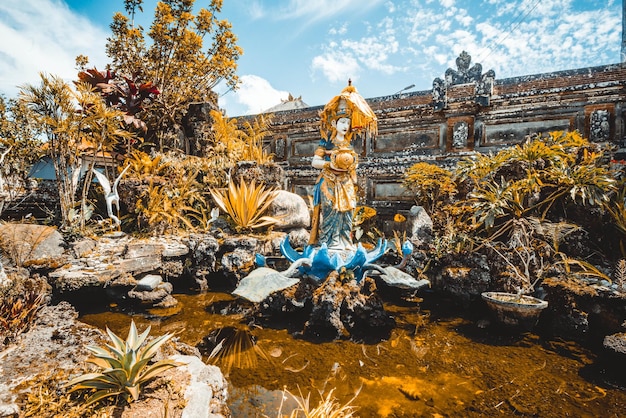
[[465, 112]]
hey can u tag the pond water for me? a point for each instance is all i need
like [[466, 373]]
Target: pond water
[[439, 361]]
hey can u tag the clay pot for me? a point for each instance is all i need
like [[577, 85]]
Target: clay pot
[[515, 310]]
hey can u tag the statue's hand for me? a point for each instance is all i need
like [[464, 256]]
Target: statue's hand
[[337, 169]]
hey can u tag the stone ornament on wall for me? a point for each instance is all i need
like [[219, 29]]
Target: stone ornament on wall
[[280, 144], [439, 94], [484, 88], [460, 134], [599, 126], [464, 74]]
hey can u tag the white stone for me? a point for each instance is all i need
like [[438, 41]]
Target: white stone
[[175, 249], [4, 279], [149, 282], [291, 209], [397, 278], [261, 283], [207, 383]]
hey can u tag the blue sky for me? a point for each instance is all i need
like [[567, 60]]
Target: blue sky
[[310, 48]]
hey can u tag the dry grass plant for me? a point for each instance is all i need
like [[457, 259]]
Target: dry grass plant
[[235, 348], [328, 407], [19, 304], [46, 399], [171, 206], [19, 244], [619, 275]]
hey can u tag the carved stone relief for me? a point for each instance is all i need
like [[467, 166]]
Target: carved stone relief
[[599, 127], [280, 145], [460, 134], [439, 94]]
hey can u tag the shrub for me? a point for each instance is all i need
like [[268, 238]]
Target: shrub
[[19, 304], [432, 185]]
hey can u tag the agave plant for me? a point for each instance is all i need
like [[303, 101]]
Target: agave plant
[[246, 204], [124, 366]]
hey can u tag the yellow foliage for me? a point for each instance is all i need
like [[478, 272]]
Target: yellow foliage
[[432, 185], [246, 204]]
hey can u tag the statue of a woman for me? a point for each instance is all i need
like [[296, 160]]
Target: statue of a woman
[[335, 196]]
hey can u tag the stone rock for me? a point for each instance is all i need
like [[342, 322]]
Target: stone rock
[[465, 279], [342, 308], [31, 244], [207, 382], [152, 297], [239, 256], [78, 277], [261, 283], [203, 249], [4, 279], [174, 249], [616, 343], [144, 249], [270, 174], [167, 302], [83, 247], [148, 282], [299, 238], [290, 209], [55, 336], [138, 265], [420, 225], [397, 278]]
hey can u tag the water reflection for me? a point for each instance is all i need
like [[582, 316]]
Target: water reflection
[[434, 363]]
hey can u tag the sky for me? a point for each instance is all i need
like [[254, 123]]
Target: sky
[[310, 48]]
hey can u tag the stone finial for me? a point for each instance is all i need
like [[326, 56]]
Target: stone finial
[[462, 75]]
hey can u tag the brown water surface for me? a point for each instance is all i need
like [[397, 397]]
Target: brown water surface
[[435, 364]]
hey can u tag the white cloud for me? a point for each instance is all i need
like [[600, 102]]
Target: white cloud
[[373, 52], [44, 36], [514, 38], [341, 30], [257, 94], [346, 57], [319, 9], [337, 66], [255, 10], [463, 18]]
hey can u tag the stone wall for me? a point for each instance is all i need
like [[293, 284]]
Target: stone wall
[[467, 112]]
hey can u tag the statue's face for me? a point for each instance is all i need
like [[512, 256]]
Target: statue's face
[[343, 125]]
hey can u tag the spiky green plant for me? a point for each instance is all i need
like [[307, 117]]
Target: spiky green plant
[[124, 366], [245, 204]]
